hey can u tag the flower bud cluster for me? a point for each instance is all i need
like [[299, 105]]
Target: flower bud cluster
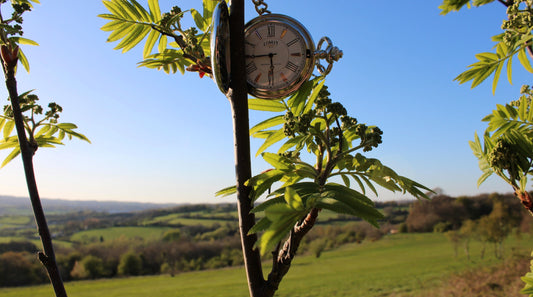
[[370, 136], [504, 157], [519, 22], [28, 102], [298, 124], [16, 16], [348, 122], [527, 94], [336, 108], [193, 47], [291, 154], [174, 16], [53, 112]]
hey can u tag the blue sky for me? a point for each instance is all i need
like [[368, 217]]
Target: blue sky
[[169, 138]]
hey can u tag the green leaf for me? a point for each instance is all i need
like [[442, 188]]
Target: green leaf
[[274, 137], [266, 105], [335, 206], [43, 130], [268, 123], [305, 170], [260, 225], [277, 161], [11, 142], [510, 70], [347, 192], [522, 57], [8, 128], [278, 211], [199, 20], [14, 153], [151, 40], [268, 203], [369, 184], [298, 142], [162, 43], [303, 189], [487, 57], [68, 126], [346, 180], [314, 94], [297, 101], [263, 182], [155, 12], [24, 60], [275, 233], [209, 7], [133, 38], [496, 77], [293, 199], [227, 191], [22, 40]]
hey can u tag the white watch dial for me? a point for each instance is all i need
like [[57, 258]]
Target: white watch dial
[[278, 58]]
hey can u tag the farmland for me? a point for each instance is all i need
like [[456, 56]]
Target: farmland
[[179, 248], [398, 265]]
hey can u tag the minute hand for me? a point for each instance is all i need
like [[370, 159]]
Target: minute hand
[[259, 56]]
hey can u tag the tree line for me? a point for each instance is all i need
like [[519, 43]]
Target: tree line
[[489, 218]]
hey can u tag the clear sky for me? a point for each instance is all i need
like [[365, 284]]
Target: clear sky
[[169, 138]]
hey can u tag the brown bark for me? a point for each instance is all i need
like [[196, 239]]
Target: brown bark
[[283, 257], [526, 199], [238, 97]]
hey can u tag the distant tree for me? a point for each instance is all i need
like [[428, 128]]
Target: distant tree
[[318, 246], [17, 270], [495, 227], [455, 238], [130, 264], [172, 235], [468, 231], [90, 267], [425, 214], [18, 246]]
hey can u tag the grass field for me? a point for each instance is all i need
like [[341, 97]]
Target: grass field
[[203, 219], [398, 265], [15, 220], [112, 233]]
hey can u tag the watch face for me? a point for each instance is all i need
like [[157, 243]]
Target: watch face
[[278, 54]]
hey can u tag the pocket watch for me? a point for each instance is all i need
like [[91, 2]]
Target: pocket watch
[[279, 55], [220, 47]]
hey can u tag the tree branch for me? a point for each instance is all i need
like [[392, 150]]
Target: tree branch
[[283, 259], [238, 97], [10, 60], [506, 3], [526, 199]]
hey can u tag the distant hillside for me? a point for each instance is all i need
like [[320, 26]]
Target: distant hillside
[[19, 205]]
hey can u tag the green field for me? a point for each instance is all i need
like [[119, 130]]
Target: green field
[[15, 220], [398, 265], [194, 218], [113, 233]]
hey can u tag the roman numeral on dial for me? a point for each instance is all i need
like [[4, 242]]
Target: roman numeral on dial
[[271, 30], [250, 67], [291, 66], [292, 42]]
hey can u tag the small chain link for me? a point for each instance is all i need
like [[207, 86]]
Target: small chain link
[[261, 7], [330, 54]]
